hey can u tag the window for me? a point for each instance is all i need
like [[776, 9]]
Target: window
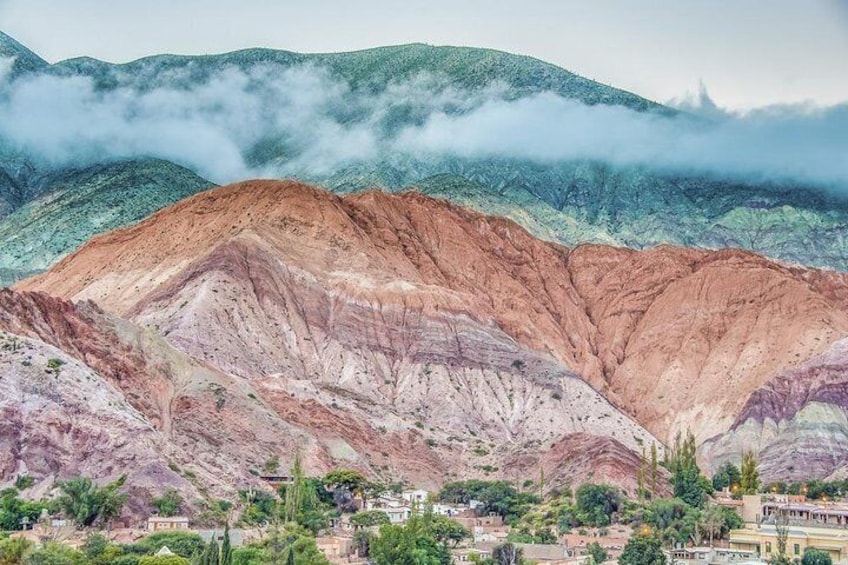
[[768, 548], [797, 549]]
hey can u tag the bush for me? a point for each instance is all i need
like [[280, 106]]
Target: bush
[[163, 560], [598, 553], [23, 482], [169, 504], [816, 557], [52, 553], [184, 544]]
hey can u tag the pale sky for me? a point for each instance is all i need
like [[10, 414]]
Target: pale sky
[[748, 53]]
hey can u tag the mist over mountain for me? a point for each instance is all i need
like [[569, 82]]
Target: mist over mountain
[[571, 159], [259, 112]]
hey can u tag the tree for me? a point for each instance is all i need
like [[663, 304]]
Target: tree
[[672, 520], [170, 503], [369, 518], [14, 511], [362, 542], [726, 477], [413, 543], [295, 492], [712, 521], [595, 504], [211, 555], [781, 526], [95, 545], [52, 553], [642, 550], [85, 503], [750, 480], [816, 557], [226, 548], [446, 530], [689, 485], [347, 479], [499, 497], [281, 542], [598, 553], [260, 507], [654, 470], [507, 554]]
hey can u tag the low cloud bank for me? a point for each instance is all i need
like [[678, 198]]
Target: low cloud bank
[[266, 121]]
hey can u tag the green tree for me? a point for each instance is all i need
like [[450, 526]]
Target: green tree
[[362, 542], [595, 504], [52, 553], [369, 518], [499, 497], [260, 507], [295, 492], [449, 531], [727, 476], [170, 503], [281, 541], [347, 479], [750, 480], [712, 522], [413, 543], [654, 470], [211, 554], [816, 557], [507, 554], [226, 548], [642, 550], [302, 502], [14, 510], [85, 503], [672, 520], [95, 547], [689, 485], [598, 553]]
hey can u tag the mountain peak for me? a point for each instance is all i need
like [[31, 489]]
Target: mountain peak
[[25, 60]]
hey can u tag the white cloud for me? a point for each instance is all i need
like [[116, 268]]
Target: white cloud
[[316, 123]]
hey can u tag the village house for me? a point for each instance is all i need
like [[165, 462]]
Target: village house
[[819, 525], [163, 523]]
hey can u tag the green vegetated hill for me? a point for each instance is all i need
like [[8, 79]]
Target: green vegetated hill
[[591, 202], [570, 202], [79, 203]]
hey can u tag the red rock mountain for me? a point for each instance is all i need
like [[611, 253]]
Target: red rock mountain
[[375, 316]]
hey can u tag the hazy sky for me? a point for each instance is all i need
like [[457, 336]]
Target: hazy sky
[[748, 53]]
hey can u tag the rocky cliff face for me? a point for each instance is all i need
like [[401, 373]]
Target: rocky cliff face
[[405, 309], [797, 421]]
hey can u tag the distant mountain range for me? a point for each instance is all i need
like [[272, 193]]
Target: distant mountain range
[[571, 201]]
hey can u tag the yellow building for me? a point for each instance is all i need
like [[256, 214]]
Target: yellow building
[[161, 523], [762, 539]]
